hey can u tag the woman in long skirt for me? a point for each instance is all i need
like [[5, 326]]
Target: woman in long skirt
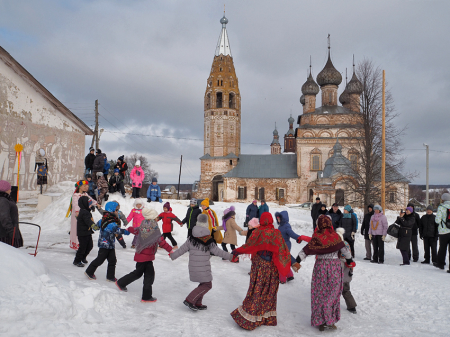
[[326, 282], [270, 258]]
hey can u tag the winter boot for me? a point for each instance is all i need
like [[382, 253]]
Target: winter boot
[[190, 306], [201, 307], [79, 264], [114, 280], [91, 277], [352, 310], [150, 300], [290, 278], [425, 262], [121, 288], [84, 261]]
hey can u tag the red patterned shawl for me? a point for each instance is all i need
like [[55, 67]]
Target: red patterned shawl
[[324, 240]]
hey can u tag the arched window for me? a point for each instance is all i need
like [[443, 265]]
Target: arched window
[[218, 100], [339, 198], [231, 101], [353, 156], [207, 101], [316, 160]]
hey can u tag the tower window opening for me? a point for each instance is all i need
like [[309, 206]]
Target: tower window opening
[[330, 97], [221, 83], [231, 162], [218, 82], [231, 101], [219, 100], [220, 69]]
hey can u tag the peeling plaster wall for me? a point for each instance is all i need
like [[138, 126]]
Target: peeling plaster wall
[[28, 118]]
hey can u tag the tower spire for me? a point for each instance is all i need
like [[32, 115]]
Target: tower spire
[[223, 45], [310, 65]]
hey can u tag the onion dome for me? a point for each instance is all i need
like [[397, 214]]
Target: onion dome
[[224, 20], [291, 120], [275, 132], [302, 99], [310, 87], [329, 74], [345, 97], [354, 86]]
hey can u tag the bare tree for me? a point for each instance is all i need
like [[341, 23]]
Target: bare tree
[[365, 178], [416, 192], [148, 171]]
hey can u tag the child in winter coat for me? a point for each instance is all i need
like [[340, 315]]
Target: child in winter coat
[[167, 217], [377, 233], [191, 216], [348, 274], [84, 231], [92, 186], [116, 183], [137, 176], [154, 192], [230, 227], [122, 220], [148, 239], [252, 225], [213, 222], [200, 246], [102, 186], [136, 215], [109, 227]]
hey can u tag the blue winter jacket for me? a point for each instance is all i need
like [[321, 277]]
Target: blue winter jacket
[[262, 209], [153, 191], [107, 236], [106, 166], [252, 212], [285, 228], [92, 188]]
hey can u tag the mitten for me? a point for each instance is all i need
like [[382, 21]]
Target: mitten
[[353, 235], [235, 252], [125, 232], [148, 200], [370, 236], [92, 208], [350, 263], [299, 239], [296, 267], [305, 238], [94, 227], [383, 237]]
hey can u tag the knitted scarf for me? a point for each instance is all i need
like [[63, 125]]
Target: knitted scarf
[[324, 240], [266, 237], [5, 195], [108, 218], [225, 218], [203, 243], [149, 235]]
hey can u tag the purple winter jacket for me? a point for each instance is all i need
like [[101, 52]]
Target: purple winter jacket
[[382, 227]]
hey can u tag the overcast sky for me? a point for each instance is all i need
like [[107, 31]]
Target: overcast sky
[[147, 63]]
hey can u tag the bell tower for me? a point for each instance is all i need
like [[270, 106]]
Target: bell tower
[[222, 119]]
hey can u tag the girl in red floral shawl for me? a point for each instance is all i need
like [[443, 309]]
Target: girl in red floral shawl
[[326, 282], [270, 258]]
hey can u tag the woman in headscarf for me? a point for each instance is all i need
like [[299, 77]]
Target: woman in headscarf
[[270, 258], [81, 189], [326, 282]]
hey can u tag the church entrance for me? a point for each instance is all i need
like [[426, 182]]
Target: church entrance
[[339, 199], [217, 188]]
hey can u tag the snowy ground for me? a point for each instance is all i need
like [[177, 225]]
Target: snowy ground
[[47, 296]]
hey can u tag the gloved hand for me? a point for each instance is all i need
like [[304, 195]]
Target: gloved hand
[[383, 237], [94, 227], [296, 267], [370, 236], [160, 200], [350, 265], [92, 208], [125, 232], [299, 239], [353, 235], [171, 252], [149, 200], [235, 252]]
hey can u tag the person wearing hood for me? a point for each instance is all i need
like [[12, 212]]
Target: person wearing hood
[[270, 258], [377, 233], [230, 227], [116, 183], [428, 231], [287, 233], [326, 283], [89, 160], [137, 176], [9, 217], [347, 276], [148, 239], [122, 166], [406, 220], [109, 228], [99, 163], [365, 231], [200, 247], [415, 234], [84, 231], [335, 213], [191, 216], [167, 218], [102, 188], [348, 222], [123, 221], [443, 222], [153, 191], [322, 211], [106, 167], [136, 216], [252, 211], [213, 221], [315, 211], [263, 208]]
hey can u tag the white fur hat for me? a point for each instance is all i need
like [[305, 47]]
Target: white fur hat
[[340, 231], [138, 201], [138, 163], [149, 213]]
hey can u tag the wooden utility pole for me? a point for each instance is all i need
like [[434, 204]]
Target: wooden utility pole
[[383, 144], [95, 136], [179, 178]]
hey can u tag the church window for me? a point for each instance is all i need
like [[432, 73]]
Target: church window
[[221, 83], [225, 113], [220, 69], [242, 192], [392, 197], [231, 101], [231, 162], [219, 100], [353, 157], [261, 193], [279, 193], [218, 82], [330, 97], [316, 160], [208, 101]]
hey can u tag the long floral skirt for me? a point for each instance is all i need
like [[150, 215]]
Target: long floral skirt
[[260, 304], [326, 289]]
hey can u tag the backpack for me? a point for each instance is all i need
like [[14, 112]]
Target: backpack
[[447, 220]]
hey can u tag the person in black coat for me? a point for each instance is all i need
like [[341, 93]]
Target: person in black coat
[[335, 214], [315, 211], [252, 211], [9, 217], [414, 237], [365, 231], [428, 231], [99, 163], [116, 183], [122, 166], [323, 210], [406, 221], [191, 216], [89, 161], [348, 222], [84, 232]]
